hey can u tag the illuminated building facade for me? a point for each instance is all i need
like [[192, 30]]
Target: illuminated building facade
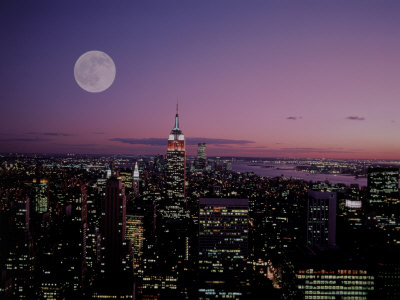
[[41, 195], [22, 214], [53, 290], [76, 236], [134, 233], [353, 213], [201, 156], [176, 172], [93, 237], [126, 178], [383, 186], [223, 248], [335, 283], [135, 183], [321, 218], [20, 260]]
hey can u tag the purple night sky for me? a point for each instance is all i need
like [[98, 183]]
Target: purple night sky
[[254, 78]]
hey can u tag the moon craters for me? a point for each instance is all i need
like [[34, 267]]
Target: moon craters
[[94, 71]]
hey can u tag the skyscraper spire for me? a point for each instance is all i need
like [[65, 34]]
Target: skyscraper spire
[[176, 117], [135, 182], [136, 172]]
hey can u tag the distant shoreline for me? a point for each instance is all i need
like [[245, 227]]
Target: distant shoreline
[[286, 170]]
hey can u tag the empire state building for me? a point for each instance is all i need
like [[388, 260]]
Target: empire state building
[[176, 172]]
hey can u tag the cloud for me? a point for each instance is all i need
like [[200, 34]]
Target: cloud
[[314, 150], [212, 141], [355, 118], [146, 141], [189, 141], [24, 140], [75, 145], [293, 118], [50, 133]]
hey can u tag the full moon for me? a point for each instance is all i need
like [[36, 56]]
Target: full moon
[[94, 71]]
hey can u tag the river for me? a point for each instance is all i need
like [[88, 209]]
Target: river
[[288, 170]]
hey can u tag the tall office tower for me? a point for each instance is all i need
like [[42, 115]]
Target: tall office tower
[[383, 186], [176, 172], [22, 214], [135, 183], [127, 178], [134, 232], [114, 224], [351, 208], [321, 218], [40, 187], [75, 237], [201, 155], [20, 259], [223, 248], [93, 237], [116, 269]]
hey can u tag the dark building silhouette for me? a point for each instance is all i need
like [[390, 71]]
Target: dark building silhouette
[[20, 261], [321, 219], [116, 263], [388, 275], [114, 224], [75, 237]]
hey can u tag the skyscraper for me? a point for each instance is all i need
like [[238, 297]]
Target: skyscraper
[[41, 200], [176, 172], [114, 224], [223, 247], [116, 263], [201, 155], [20, 260], [135, 183], [321, 218], [22, 214], [329, 277], [75, 237], [134, 232], [383, 185], [127, 179]]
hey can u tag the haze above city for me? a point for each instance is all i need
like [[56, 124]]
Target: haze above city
[[252, 78]]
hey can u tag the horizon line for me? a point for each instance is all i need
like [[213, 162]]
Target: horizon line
[[8, 154]]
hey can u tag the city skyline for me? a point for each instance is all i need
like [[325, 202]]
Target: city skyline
[[273, 79]]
